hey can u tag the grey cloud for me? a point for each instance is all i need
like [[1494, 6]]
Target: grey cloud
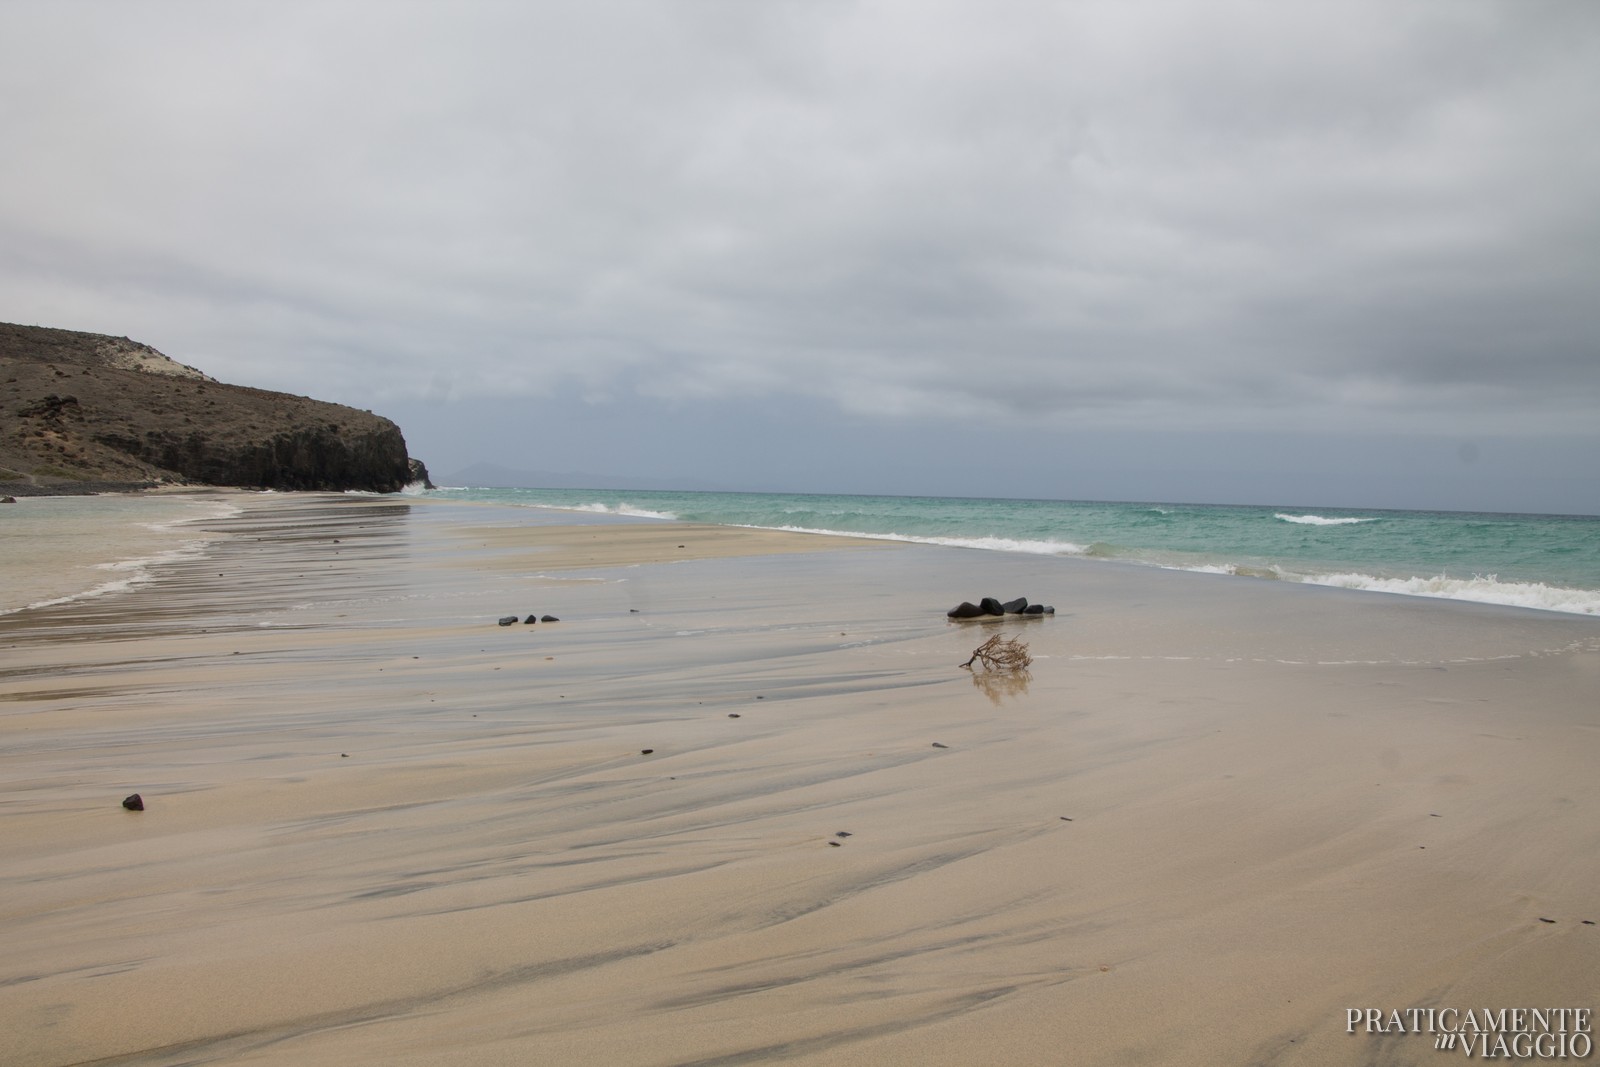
[[1355, 215]]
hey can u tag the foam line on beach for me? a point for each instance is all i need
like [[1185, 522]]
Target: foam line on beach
[[1478, 589], [131, 571], [1482, 589]]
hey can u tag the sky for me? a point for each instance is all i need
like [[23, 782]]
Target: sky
[[1336, 253]]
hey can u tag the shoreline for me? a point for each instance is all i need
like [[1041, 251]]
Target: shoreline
[[1466, 557], [90, 488], [1541, 592], [381, 828], [67, 548]]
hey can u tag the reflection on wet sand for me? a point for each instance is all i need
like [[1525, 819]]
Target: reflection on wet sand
[[745, 807]]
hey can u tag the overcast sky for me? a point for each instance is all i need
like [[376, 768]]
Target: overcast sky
[[1276, 252]]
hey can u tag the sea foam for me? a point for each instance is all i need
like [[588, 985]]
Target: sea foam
[[991, 544], [620, 509], [1484, 589], [1320, 520]]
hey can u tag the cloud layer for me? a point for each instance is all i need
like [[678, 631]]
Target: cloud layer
[[1335, 217]]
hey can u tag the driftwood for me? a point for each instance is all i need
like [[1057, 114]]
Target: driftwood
[[1001, 653]]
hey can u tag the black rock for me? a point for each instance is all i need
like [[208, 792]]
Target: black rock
[[1015, 607], [1033, 609], [530, 620], [646, 751], [546, 618], [991, 606], [507, 620], [965, 610], [133, 803]]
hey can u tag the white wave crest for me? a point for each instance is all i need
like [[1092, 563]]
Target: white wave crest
[[991, 544], [1484, 589], [1319, 520], [617, 509]]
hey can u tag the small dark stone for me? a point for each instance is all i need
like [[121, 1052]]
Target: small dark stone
[[646, 751], [1015, 607], [844, 833], [733, 714], [991, 606], [1065, 819], [344, 755], [936, 744], [547, 618], [1048, 610], [1544, 920], [8, 500], [507, 620], [133, 803], [633, 611], [835, 844], [1033, 609], [965, 610], [530, 620], [1588, 922]]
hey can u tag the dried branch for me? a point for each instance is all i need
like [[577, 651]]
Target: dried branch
[[1001, 653]]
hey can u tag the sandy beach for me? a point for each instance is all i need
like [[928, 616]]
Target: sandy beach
[[740, 805]]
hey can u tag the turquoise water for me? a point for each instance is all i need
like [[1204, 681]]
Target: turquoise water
[[1550, 562]]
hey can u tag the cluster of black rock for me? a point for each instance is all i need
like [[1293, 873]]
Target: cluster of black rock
[[990, 606], [509, 620]]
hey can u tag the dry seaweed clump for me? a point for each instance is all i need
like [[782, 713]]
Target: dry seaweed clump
[[1001, 653]]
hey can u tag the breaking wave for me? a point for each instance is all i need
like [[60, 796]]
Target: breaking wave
[[1484, 589], [1319, 520], [621, 509], [990, 544]]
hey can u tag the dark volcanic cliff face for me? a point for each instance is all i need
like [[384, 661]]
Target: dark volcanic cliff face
[[87, 407]]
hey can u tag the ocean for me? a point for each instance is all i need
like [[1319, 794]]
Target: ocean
[[1546, 562]]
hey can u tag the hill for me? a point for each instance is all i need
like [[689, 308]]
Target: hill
[[81, 410]]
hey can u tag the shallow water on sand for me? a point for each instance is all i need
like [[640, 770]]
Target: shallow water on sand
[[65, 547]]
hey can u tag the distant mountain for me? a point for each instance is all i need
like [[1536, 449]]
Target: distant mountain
[[493, 476], [86, 409]]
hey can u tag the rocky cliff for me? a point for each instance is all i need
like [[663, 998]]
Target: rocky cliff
[[78, 408]]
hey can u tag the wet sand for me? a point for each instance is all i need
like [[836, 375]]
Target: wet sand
[[379, 828]]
